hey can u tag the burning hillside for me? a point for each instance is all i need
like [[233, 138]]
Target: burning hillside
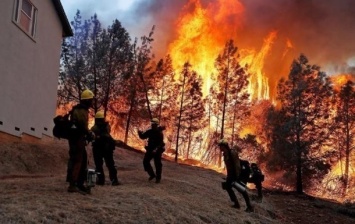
[[227, 58], [269, 36], [33, 192]]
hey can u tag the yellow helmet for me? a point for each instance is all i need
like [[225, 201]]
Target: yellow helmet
[[222, 142], [100, 114], [155, 121], [87, 95]]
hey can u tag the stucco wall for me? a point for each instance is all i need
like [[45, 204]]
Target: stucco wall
[[29, 71]]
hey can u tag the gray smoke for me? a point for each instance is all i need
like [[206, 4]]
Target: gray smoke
[[324, 30]]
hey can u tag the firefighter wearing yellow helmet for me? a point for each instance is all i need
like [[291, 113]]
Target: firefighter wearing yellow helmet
[[154, 149], [102, 149], [232, 163], [79, 134]]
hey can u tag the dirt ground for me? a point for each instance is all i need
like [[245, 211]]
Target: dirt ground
[[33, 190]]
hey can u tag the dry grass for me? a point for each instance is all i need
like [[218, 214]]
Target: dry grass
[[33, 190]]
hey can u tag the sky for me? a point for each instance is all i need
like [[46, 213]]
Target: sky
[[109, 10]]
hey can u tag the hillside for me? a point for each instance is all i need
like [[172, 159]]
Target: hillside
[[33, 190]]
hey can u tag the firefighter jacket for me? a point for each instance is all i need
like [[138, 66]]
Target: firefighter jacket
[[80, 120], [232, 162], [102, 133], [155, 138]]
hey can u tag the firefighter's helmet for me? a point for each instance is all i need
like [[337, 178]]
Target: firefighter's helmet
[[222, 142], [87, 95], [155, 121], [100, 114]]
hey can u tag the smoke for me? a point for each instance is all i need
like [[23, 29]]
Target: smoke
[[324, 30]]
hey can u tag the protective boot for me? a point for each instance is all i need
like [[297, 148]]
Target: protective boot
[[115, 182], [236, 204], [250, 208]]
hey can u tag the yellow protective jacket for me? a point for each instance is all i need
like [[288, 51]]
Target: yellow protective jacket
[[80, 119]]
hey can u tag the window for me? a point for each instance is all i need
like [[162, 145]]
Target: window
[[25, 15]]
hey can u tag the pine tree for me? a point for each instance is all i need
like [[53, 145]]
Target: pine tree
[[232, 83], [345, 125], [305, 102], [73, 77]]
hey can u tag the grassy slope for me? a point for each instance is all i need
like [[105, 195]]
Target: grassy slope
[[33, 190]]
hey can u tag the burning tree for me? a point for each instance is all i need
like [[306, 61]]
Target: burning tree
[[302, 121], [73, 77], [94, 58], [231, 94], [345, 125], [162, 94], [191, 110]]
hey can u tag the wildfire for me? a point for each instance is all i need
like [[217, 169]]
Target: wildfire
[[341, 79], [202, 33]]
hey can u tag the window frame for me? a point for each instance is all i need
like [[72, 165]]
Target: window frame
[[19, 13]]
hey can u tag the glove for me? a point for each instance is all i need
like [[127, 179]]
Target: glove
[[90, 136]]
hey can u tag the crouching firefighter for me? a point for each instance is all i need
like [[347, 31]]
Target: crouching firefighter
[[250, 173], [78, 135], [232, 164], [103, 147], [154, 149]]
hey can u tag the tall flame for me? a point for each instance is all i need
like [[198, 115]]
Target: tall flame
[[201, 35]]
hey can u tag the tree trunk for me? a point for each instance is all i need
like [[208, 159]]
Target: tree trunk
[[179, 121], [347, 153], [146, 95], [131, 106], [161, 99]]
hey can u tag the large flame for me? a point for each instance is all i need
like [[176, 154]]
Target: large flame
[[341, 79], [202, 32]]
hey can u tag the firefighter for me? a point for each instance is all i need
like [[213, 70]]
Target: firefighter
[[257, 177], [154, 149], [232, 163], [78, 135], [252, 174], [102, 148]]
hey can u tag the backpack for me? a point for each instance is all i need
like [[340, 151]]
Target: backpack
[[62, 125], [256, 173], [245, 171]]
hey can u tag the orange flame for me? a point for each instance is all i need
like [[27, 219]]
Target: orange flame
[[202, 32], [341, 79]]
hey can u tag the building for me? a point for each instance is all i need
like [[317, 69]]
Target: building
[[30, 39]]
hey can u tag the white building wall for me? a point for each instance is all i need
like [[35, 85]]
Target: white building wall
[[29, 71]]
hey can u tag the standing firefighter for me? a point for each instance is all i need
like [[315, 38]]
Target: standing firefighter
[[78, 135], [154, 149], [102, 148], [232, 164]]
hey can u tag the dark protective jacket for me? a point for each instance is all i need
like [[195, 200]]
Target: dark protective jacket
[[101, 130], [155, 138], [103, 138], [232, 162]]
